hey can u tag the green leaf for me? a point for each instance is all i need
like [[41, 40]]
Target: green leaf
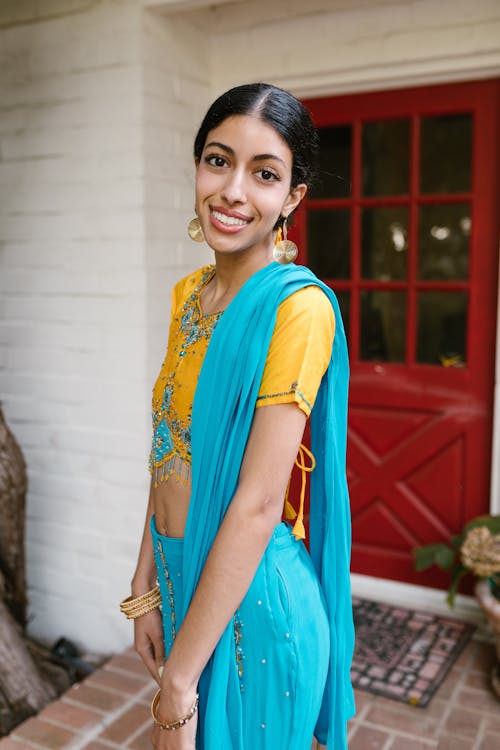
[[445, 557], [458, 540], [434, 554], [490, 522], [456, 576]]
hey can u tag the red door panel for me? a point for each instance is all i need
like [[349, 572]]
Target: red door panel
[[404, 228]]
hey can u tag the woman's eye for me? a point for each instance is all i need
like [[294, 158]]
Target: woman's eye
[[216, 161], [267, 175]]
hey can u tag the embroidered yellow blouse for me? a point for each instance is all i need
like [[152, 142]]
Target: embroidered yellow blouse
[[298, 356]]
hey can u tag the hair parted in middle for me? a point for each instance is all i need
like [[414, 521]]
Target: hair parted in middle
[[277, 108]]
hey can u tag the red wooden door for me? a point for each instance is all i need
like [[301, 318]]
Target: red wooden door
[[404, 227]]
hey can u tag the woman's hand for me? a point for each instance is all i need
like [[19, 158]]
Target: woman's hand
[[148, 642], [170, 708], [178, 739]]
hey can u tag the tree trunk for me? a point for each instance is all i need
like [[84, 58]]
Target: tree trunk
[[23, 689], [13, 485]]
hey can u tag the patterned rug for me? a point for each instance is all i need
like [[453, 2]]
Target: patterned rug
[[403, 654]]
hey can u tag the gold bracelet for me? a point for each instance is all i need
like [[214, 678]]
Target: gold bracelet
[[133, 607], [143, 611], [178, 723]]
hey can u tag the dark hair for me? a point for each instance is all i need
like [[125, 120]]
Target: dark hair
[[275, 107]]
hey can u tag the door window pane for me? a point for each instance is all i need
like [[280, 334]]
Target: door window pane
[[444, 233], [383, 326], [328, 243], [386, 157], [334, 169], [446, 148], [343, 298], [384, 243], [442, 325]]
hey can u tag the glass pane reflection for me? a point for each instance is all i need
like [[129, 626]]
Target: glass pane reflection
[[386, 157], [383, 326], [384, 243], [446, 149], [328, 243], [334, 178], [442, 325], [444, 242]]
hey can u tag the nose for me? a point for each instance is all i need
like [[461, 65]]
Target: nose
[[233, 190]]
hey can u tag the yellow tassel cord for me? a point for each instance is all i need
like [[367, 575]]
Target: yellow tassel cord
[[173, 467], [291, 514]]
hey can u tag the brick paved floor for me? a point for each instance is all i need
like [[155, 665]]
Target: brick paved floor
[[110, 710]]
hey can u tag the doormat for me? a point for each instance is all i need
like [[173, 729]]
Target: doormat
[[403, 654]]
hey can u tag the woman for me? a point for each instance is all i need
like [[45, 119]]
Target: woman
[[253, 644]]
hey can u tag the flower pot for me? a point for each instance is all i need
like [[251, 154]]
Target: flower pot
[[491, 607]]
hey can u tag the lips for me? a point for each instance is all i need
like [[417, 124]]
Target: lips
[[228, 221]]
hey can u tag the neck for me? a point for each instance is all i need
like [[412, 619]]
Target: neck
[[233, 270]]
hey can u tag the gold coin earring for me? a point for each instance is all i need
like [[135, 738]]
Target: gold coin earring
[[285, 251], [195, 231]]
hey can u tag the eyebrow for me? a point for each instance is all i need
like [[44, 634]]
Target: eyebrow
[[257, 157]]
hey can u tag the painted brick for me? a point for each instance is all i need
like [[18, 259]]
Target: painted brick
[[45, 735], [127, 724], [395, 34], [71, 205], [367, 738], [141, 741], [101, 700], [52, 617], [74, 717], [111, 680], [10, 744], [127, 662]]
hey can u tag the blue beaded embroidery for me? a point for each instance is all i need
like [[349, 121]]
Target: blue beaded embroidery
[[168, 429], [238, 636]]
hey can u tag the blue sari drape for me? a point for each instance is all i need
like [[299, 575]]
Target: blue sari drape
[[222, 416]]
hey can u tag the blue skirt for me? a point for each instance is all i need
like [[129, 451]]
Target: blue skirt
[[281, 640]]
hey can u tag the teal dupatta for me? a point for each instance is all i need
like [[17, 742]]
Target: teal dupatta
[[222, 416]]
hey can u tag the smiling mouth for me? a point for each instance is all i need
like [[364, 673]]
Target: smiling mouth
[[229, 221]]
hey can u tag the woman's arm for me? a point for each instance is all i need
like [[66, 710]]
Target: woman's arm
[[145, 573], [238, 548], [148, 631]]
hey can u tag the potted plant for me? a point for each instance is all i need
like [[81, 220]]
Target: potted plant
[[476, 551]]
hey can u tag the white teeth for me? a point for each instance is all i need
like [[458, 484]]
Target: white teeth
[[229, 220]]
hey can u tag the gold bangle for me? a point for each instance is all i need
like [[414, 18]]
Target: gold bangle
[[177, 723], [137, 606], [140, 612], [130, 602]]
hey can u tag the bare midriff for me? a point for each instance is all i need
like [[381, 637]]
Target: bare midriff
[[171, 499], [171, 503]]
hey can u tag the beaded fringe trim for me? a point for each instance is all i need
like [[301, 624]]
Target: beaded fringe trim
[[173, 467]]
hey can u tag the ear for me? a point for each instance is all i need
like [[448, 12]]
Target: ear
[[196, 162], [295, 195]]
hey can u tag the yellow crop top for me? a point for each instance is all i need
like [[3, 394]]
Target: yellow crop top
[[298, 356]]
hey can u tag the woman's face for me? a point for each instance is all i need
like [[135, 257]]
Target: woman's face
[[243, 184]]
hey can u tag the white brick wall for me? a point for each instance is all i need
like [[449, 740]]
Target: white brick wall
[[333, 46], [98, 112], [177, 77], [72, 292]]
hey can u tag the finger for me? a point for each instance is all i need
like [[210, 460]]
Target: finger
[[156, 635], [146, 651], [155, 638], [159, 655]]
